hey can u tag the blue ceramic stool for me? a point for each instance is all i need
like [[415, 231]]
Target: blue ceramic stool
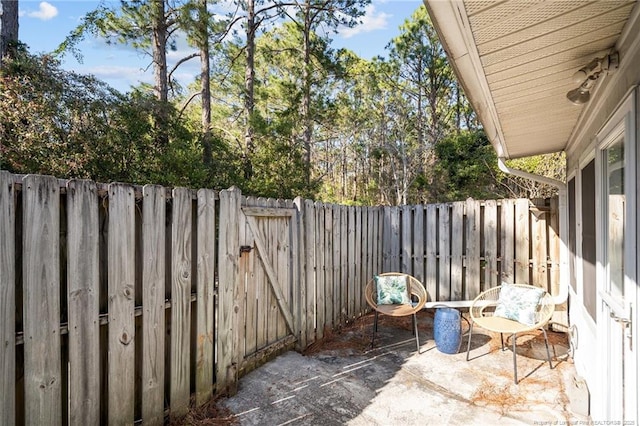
[[447, 330]]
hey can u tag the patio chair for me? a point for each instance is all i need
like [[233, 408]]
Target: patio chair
[[416, 300], [512, 309]]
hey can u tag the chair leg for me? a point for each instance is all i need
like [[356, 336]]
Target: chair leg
[[375, 327], [469, 341], [502, 341], [546, 343], [515, 368], [415, 330]]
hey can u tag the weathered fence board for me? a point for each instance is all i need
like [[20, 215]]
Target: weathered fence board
[[539, 248], [41, 299], [358, 262], [418, 243], [391, 237], [406, 240], [121, 258], [153, 290], [180, 301], [444, 252], [344, 272], [318, 323], [561, 312], [431, 281], [269, 256], [507, 241], [490, 244], [374, 241], [298, 285], [472, 257], [351, 262], [283, 262], [206, 266], [263, 305], [336, 255], [228, 359], [457, 241], [7, 300], [554, 245], [329, 267], [83, 286], [367, 250], [249, 284], [522, 241]]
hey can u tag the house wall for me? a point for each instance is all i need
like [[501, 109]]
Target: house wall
[[611, 91]]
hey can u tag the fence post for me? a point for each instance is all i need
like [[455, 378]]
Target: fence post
[[181, 261], [153, 294], [7, 300], [206, 243], [121, 304], [83, 290], [300, 259], [228, 309], [41, 301]]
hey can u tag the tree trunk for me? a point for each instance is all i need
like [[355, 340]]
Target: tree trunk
[[8, 28], [161, 87], [306, 96], [249, 79], [203, 41]]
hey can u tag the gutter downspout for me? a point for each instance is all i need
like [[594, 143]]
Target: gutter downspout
[[564, 224]]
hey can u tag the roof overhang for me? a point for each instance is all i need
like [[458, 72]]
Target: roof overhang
[[515, 60]]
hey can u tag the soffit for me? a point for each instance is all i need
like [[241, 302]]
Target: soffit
[[525, 53]]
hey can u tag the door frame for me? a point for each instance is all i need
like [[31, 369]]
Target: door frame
[[617, 343]]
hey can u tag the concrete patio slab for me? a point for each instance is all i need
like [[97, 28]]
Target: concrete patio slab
[[343, 381]]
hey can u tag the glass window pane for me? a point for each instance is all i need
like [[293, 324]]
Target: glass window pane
[[615, 217], [588, 197]]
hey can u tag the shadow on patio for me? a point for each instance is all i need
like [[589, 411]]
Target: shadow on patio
[[342, 381]]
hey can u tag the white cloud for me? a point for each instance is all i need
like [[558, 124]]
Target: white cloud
[[371, 21], [119, 77], [45, 12]]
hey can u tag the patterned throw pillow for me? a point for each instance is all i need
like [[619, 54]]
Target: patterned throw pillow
[[518, 303], [392, 290]]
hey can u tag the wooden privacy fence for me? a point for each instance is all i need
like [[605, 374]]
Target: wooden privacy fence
[[120, 303], [455, 249]]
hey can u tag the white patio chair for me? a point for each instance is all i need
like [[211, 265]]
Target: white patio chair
[[417, 291], [482, 314]]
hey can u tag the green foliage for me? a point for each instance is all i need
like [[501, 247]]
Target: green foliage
[[549, 165], [277, 168], [73, 126], [465, 166]]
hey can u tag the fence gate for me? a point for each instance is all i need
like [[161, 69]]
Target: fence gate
[[258, 251]]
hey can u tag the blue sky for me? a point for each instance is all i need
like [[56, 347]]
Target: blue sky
[[45, 24]]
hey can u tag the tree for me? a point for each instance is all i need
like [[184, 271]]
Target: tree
[[196, 17], [145, 25], [425, 77], [549, 165], [466, 167], [8, 28], [70, 125], [255, 16], [249, 84], [308, 16]]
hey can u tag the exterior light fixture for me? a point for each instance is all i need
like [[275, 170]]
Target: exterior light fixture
[[581, 95], [587, 76]]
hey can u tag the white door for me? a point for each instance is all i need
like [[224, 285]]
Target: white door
[[617, 266]]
